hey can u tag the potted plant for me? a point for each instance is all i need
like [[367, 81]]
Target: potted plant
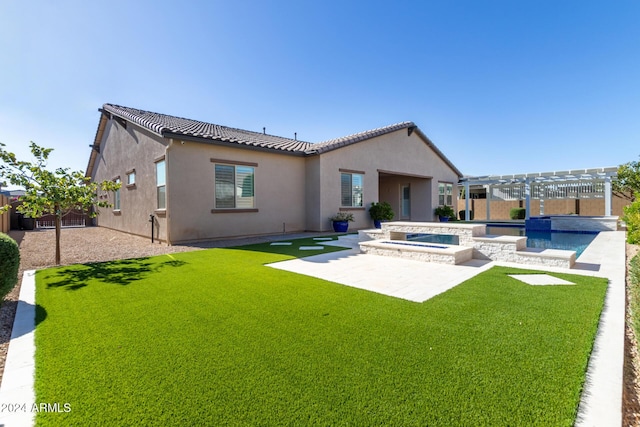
[[445, 213], [381, 212], [341, 221]]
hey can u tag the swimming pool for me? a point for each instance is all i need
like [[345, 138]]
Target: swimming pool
[[566, 240], [397, 242], [445, 239]]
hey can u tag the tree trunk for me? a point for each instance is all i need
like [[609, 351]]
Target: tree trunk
[[58, 225]]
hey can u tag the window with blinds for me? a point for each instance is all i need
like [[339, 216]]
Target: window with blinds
[[351, 190], [234, 187]]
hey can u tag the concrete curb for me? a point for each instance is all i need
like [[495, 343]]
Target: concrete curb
[[17, 394]]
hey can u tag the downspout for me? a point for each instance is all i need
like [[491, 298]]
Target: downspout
[[167, 194]]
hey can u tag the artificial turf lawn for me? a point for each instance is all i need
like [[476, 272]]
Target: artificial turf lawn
[[215, 337]]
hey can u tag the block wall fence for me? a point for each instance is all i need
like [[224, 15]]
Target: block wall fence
[[585, 207]]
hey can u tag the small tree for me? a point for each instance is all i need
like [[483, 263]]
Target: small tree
[[47, 192], [627, 183]]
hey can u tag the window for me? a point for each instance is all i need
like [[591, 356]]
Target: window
[[351, 190], [116, 196], [234, 187], [131, 177], [445, 194], [161, 184]]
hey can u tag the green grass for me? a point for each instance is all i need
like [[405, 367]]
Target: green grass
[[216, 338]]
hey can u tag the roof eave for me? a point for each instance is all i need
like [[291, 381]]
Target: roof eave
[[183, 137], [95, 147]]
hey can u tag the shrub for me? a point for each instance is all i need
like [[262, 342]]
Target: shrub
[[9, 263], [381, 211], [632, 219], [342, 216], [445, 211], [518, 213]]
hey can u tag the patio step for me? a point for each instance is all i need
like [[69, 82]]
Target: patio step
[[546, 257]]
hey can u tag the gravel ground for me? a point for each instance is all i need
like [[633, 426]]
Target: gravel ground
[[631, 391], [93, 244]]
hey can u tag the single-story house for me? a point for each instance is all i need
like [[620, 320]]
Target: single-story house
[[200, 181]]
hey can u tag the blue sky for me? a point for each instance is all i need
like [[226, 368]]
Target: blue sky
[[499, 86]]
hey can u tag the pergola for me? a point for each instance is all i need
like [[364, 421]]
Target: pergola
[[572, 184]]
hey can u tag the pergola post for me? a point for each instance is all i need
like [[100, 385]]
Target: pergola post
[[466, 201], [527, 198], [607, 196], [488, 187]]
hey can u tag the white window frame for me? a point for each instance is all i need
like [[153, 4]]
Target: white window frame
[[445, 194], [131, 178]]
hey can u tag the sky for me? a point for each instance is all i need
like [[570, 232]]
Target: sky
[[501, 87]]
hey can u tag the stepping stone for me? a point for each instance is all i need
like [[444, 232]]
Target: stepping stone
[[281, 244], [322, 238], [540, 279], [311, 248]]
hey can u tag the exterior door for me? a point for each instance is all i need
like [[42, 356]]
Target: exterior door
[[405, 202]]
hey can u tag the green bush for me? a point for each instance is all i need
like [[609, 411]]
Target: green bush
[[445, 212], [381, 211], [518, 213], [9, 263], [632, 219]]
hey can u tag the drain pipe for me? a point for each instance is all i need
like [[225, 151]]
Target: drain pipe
[[152, 221]]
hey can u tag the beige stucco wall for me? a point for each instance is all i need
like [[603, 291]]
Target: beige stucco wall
[[313, 193], [279, 191], [122, 150], [396, 153]]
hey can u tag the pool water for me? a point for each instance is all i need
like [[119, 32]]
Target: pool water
[[397, 242], [566, 240], [443, 239]]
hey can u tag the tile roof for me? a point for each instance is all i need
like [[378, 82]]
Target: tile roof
[[174, 127], [332, 144], [177, 127]]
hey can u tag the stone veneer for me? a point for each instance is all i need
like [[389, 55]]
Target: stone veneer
[[465, 232], [584, 223], [428, 252]]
